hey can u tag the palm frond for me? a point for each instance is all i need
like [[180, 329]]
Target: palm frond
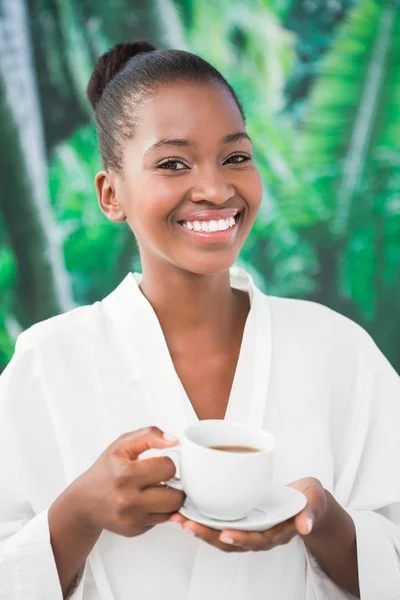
[[354, 111]]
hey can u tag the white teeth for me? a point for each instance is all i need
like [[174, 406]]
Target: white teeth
[[210, 226], [222, 225]]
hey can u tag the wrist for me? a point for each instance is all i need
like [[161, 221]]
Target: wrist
[[333, 544], [72, 537], [73, 509], [332, 522]]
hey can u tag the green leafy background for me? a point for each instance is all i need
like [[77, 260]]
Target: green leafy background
[[320, 83]]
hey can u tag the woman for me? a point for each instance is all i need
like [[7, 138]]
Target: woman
[[88, 395]]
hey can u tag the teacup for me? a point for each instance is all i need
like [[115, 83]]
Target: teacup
[[225, 468]]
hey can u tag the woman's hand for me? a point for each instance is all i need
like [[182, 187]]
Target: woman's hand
[[231, 540], [123, 494]]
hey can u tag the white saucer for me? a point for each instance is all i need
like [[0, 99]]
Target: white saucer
[[282, 504]]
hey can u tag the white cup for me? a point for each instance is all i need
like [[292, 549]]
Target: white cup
[[223, 485]]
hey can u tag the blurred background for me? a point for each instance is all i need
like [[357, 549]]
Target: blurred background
[[320, 83]]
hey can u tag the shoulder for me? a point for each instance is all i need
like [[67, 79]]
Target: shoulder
[[332, 351], [82, 325], [313, 326], [73, 327], [304, 315]]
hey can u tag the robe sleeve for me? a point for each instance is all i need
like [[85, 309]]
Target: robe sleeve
[[367, 483], [374, 469], [30, 469]]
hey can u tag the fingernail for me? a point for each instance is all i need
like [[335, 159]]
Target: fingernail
[[170, 438], [226, 539], [175, 518], [188, 530], [309, 525]]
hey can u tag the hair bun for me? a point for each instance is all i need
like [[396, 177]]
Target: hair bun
[[109, 64]]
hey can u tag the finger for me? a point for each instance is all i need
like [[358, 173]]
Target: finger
[[131, 445], [162, 499], [316, 504], [260, 540], [153, 471], [210, 536], [178, 519], [305, 484], [156, 519], [146, 472], [304, 522]]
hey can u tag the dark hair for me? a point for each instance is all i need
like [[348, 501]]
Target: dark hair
[[125, 76]]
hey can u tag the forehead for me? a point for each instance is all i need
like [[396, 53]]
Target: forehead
[[196, 111]]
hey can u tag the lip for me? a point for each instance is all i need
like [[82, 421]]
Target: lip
[[210, 214]]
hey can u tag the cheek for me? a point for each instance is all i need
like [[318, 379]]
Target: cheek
[[252, 190], [151, 206], [258, 188]]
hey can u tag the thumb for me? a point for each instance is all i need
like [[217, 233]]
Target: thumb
[[131, 445], [316, 503], [304, 521]]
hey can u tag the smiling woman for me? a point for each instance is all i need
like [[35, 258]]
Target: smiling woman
[[191, 339], [186, 108]]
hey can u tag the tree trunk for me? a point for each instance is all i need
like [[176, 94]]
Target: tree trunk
[[43, 286], [62, 109], [69, 34]]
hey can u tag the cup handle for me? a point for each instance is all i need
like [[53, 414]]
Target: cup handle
[[175, 482]]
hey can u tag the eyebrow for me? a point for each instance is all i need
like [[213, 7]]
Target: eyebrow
[[184, 143]]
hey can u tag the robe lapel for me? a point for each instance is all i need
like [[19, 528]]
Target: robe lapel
[[262, 359], [247, 403], [137, 322]]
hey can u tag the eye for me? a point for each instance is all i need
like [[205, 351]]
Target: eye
[[236, 159], [172, 165]]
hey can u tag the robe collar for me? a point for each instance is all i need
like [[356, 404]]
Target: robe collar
[[138, 325]]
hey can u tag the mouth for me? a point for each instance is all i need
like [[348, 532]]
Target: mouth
[[212, 230]]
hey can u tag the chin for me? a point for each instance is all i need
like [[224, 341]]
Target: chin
[[208, 266]]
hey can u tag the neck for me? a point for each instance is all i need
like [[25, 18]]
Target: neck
[[186, 303]]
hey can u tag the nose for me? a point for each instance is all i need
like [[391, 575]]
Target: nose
[[212, 187]]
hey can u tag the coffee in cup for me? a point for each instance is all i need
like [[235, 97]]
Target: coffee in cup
[[235, 448]]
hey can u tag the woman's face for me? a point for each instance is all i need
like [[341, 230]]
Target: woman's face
[[189, 188]]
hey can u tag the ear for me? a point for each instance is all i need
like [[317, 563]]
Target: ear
[[106, 195]]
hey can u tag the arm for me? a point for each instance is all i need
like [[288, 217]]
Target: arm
[[333, 543], [118, 493], [358, 549], [326, 528], [27, 567], [41, 550], [364, 539], [71, 539]]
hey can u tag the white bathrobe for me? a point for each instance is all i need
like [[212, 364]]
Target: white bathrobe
[[311, 377]]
